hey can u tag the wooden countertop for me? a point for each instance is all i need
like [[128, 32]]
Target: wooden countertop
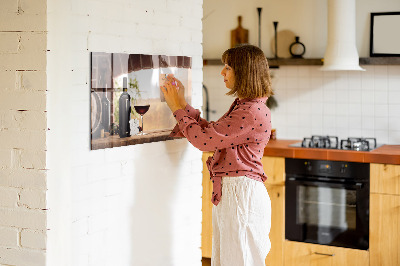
[[389, 154]]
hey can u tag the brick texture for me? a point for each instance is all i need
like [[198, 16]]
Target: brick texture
[[9, 237], [23, 125], [33, 239], [8, 197]]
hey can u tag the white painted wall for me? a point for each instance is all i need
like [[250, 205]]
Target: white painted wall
[[344, 103], [133, 205], [23, 133], [306, 18]]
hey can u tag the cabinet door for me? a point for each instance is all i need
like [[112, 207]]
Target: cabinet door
[[385, 178], [304, 254], [206, 226], [277, 233], [274, 168], [384, 230]]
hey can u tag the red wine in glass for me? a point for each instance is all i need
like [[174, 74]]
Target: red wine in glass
[[142, 109]]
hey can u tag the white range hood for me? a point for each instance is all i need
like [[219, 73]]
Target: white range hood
[[341, 51]]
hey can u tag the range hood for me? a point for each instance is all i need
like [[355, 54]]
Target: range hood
[[341, 51]]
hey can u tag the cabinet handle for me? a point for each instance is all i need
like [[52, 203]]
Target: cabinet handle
[[324, 254]]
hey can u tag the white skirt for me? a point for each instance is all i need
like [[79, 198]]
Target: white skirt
[[241, 223]]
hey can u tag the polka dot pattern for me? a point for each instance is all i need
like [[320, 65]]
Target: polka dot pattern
[[238, 139]]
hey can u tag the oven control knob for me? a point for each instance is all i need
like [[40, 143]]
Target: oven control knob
[[308, 166], [343, 168]]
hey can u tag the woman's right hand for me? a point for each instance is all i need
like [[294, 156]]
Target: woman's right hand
[[181, 90]]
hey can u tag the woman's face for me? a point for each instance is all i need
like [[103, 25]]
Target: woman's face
[[229, 76]]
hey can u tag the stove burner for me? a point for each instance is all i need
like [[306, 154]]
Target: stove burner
[[328, 142], [332, 142], [358, 144]]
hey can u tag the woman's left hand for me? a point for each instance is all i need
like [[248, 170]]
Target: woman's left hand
[[170, 91]]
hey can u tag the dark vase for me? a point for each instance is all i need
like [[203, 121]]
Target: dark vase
[[297, 49], [124, 112]]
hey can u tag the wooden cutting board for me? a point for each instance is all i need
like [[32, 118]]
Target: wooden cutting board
[[239, 35]]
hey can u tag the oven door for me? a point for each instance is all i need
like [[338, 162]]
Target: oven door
[[327, 213]]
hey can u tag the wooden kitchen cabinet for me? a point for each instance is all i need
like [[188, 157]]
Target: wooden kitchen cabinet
[[384, 236], [385, 178], [385, 215], [305, 254], [277, 233], [206, 225], [274, 168]]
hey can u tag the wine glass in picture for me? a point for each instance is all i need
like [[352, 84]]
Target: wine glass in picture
[[141, 107]]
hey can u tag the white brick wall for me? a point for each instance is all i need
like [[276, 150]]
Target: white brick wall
[[133, 205], [33, 239], [137, 205], [23, 132]]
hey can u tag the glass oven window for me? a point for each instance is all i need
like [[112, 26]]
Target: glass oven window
[[326, 207]]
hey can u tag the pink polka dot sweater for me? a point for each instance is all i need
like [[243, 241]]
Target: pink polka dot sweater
[[238, 139]]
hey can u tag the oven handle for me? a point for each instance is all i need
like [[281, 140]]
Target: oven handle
[[357, 185]]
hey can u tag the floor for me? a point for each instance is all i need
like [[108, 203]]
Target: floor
[[206, 261]]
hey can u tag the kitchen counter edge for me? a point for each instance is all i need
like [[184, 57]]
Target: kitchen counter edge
[[386, 154]]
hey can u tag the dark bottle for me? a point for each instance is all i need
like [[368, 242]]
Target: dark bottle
[[105, 115], [124, 112]]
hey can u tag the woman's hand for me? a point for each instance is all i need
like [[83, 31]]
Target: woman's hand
[[172, 94], [181, 89]]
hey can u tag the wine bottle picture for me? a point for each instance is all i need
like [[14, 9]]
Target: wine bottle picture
[[105, 115], [124, 111]]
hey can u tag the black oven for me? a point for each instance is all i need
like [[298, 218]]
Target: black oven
[[327, 202]]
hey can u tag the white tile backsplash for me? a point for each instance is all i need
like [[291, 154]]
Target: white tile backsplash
[[381, 110], [394, 97], [346, 103], [381, 83], [381, 97], [367, 96], [394, 82], [394, 110], [394, 123], [380, 71]]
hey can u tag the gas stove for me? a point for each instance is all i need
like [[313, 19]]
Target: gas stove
[[332, 142]]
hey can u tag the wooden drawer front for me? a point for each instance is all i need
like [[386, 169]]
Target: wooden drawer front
[[304, 254], [385, 178], [384, 237], [274, 168]]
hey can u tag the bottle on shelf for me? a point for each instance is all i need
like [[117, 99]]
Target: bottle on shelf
[[124, 111], [105, 115]]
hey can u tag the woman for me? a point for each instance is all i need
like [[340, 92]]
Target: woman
[[242, 208]]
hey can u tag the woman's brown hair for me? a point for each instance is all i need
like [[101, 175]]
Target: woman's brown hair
[[250, 66]]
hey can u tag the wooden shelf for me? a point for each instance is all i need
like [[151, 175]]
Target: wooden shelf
[[380, 61], [273, 63], [116, 141]]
